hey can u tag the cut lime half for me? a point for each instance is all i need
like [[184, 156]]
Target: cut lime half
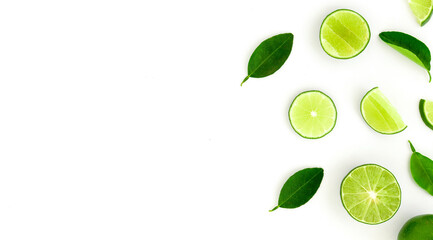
[[370, 194], [379, 113], [426, 111], [344, 34], [422, 9], [312, 114]]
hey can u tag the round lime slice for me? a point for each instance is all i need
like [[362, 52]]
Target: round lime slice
[[344, 34], [422, 9], [426, 111], [379, 113], [312, 114], [370, 194]]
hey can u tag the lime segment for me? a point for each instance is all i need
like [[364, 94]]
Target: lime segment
[[379, 113], [426, 111], [422, 9], [344, 34], [370, 194], [312, 114]]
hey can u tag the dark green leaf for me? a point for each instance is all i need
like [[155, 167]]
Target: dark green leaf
[[269, 56], [409, 46], [421, 168], [300, 188]]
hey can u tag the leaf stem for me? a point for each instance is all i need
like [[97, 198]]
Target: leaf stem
[[273, 209], [245, 79], [429, 74], [411, 146]]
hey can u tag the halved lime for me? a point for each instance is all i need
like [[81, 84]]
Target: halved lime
[[379, 113], [370, 194], [344, 34], [312, 114], [426, 111], [422, 9]]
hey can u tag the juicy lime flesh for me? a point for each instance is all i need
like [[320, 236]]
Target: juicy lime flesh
[[379, 113], [312, 114], [370, 194], [344, 34], [422, 9]]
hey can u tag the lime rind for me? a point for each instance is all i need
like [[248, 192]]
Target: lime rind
[[426, 115], [390, 107], [326, 45], [333, 116], [365, 193]]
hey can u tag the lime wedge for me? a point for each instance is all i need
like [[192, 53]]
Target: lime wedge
[[370, 194], [379, 114], [312, 114], [344, 34], [422, 9], [426, 111]]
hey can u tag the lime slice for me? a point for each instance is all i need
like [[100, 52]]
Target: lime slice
[[344, 34], [426, 111], [422, 9], [312, 114], [379, 114], [370, 194]]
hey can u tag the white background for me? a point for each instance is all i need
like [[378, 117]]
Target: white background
[[125, 119]]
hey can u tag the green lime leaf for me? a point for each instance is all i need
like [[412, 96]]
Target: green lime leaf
[[300, 188], [410, 47], [421, 168], [269, 56], [417, 228]]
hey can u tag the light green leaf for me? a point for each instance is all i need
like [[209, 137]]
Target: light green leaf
[[410, 47]]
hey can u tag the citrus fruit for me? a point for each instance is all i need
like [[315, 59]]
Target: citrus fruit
[[417, 228], [344, 34], [379, 113], [422, 9], [426, 111], [312, 114], [370, 194]]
